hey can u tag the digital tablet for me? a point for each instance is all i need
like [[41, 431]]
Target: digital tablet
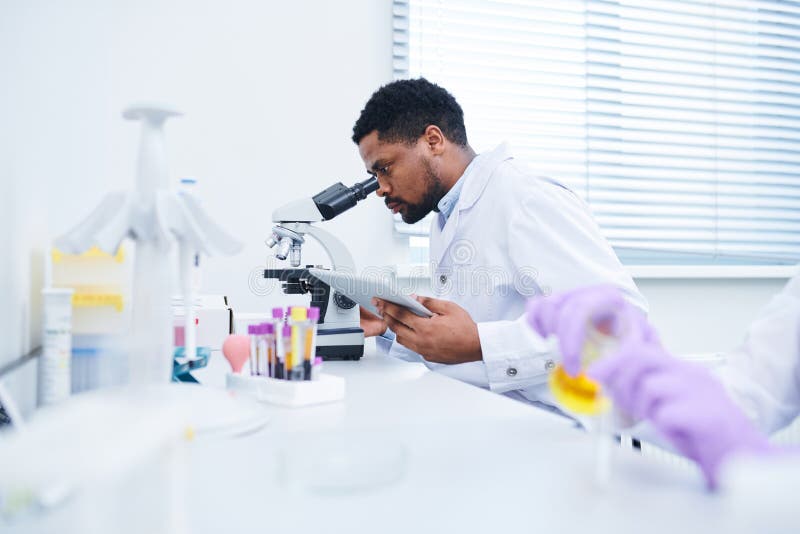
[[362, 290]]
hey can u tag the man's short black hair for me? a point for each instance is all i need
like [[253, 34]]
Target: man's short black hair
[[401, 110]]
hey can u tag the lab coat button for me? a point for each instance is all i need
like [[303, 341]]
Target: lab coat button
[[443, 278], [511, 371], [549, 365]]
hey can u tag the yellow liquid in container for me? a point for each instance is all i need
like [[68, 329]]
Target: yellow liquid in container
[[580, 394]]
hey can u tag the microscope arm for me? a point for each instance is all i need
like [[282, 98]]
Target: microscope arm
[[341, 258], [304, 209]]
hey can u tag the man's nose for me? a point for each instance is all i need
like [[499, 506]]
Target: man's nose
[[383, 189]]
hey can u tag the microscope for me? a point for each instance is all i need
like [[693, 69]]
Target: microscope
[[339, 333]]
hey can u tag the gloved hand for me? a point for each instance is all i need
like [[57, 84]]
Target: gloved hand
[[682, 400], [569, 315]]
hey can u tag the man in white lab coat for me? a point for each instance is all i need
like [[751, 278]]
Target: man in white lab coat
[[502, 235]]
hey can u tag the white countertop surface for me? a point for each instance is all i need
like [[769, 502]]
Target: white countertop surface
[[411, 451]]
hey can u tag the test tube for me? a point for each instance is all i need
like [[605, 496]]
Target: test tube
[[269, 342], [584, 397], [277, 316], [251, 331], [602, 341], [310, 351], [280, 353], [286, 346], [262, 349], [299, 323], [317, 369]]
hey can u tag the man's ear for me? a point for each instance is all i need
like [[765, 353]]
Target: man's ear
[[435, 139]]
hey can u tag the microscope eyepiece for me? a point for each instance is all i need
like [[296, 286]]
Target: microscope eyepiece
[[339, 198], [363, 189]]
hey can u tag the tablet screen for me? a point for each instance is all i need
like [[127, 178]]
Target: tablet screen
[[362, 290]]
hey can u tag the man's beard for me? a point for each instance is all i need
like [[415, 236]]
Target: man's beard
[[434, 192]]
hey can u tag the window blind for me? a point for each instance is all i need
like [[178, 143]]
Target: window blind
[[678, 121]]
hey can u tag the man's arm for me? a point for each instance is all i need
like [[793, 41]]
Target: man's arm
[[520, 357], [555, 239], [763, 374]]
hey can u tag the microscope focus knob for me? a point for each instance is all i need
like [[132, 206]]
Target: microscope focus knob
[[342, 301]]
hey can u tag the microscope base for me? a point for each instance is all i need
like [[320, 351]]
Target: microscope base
[[340, 344]]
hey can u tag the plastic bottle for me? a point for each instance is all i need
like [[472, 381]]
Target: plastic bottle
[[54, 363]]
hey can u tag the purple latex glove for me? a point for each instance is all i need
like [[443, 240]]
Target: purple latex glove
[[684, 401], [568, 315]]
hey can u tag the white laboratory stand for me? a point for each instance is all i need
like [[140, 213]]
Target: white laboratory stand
[[409, 450]]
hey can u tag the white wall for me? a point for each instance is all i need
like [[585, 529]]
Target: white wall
[[706, 315], [270, 89]]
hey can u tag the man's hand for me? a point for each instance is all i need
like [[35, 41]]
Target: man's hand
[[450, 336], [371, 324]]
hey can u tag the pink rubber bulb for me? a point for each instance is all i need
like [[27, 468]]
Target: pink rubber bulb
[[236, 349]]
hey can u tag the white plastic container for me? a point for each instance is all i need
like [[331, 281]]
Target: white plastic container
[[54, 363], [292, 393]]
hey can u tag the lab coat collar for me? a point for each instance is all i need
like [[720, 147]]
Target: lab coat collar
[[475, 177], [478, 174]]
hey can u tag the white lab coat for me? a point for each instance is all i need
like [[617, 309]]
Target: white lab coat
[[763, 378], [763, 374], [513, 235]]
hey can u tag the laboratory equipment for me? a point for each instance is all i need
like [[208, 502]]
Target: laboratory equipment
[[298, 320], [285, 360], [583, 396], [54, 364], [310, 348], [339, 332], [323, 389], [685, 402], [288, 356], [153, 216], [269, 347], [580, 394], [100, 313], [10, 415], [251, 333], [236, 349], [362, 290], [213, 319], [182, 366], [316, 369]]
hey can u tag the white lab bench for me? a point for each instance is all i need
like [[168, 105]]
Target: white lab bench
[[466, 460]]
